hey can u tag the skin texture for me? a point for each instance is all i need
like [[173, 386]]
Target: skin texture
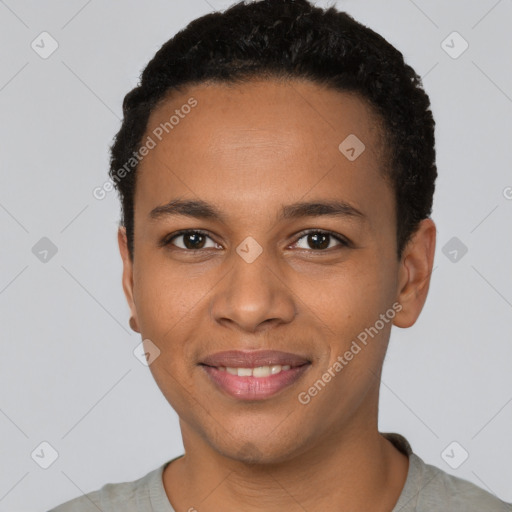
[[248, 150]]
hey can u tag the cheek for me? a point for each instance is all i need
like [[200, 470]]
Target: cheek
[[350, 296], [162, 296], [350, 303], [166, 304], [357, 341]]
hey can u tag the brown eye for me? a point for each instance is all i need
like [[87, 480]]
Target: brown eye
[[194, 241], [320, 240], [191, 240]]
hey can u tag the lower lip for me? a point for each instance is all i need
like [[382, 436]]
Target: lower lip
[[254, 388]]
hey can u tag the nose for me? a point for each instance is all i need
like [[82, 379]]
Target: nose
[[253, 296]]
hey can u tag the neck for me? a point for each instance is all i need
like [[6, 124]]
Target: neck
[[357, 470]]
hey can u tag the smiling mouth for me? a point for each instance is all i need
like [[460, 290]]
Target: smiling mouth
[[258, 372], [255, 375]]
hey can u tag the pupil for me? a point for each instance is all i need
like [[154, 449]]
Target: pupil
[[318, 241], [193, 245]]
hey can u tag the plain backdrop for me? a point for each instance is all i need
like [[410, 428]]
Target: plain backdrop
[[68, 375]]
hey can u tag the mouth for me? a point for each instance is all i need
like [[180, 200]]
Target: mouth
[[254, 375]]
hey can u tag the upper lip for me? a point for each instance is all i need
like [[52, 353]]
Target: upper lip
[[253, 359]]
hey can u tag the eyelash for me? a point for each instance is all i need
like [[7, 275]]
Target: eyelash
[[167, 241]]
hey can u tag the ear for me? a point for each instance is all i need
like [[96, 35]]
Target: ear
[[127, 276], [414, 273]]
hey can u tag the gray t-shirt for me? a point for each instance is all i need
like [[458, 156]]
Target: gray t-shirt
[[426, 489]]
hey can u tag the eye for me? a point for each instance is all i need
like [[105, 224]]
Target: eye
[[319, 240], [190, 240]]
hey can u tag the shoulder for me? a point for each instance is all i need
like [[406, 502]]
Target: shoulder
[[431, 488], [126, 496], [428, 488]]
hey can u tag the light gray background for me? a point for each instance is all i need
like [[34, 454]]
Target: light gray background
[[68, 375]]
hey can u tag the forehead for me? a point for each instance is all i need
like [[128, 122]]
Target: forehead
[[255, 112], [260, 140]]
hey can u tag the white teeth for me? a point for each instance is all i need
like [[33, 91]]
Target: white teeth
[[275, 369], [260, 371]]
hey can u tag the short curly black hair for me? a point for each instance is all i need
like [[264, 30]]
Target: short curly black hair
[[297, 40]]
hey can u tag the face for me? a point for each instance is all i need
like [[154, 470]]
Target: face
[[255, 232]]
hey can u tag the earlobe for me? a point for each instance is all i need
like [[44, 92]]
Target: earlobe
[[415, 272], [133, 324], [127, 278]]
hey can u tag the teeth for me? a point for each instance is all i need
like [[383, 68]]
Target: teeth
[[260, 371]]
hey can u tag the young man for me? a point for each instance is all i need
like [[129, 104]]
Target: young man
[[276, 168]]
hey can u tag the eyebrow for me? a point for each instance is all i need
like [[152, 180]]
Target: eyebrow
[[203, 210]]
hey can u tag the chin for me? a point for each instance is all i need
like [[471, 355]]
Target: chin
[[259, 451]]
